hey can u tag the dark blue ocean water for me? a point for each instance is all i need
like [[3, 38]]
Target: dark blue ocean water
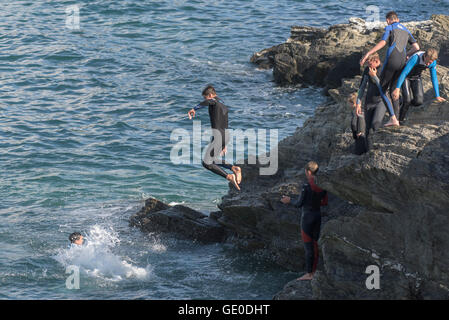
[[85, 123]]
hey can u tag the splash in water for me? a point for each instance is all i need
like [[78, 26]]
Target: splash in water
[[96, 257]]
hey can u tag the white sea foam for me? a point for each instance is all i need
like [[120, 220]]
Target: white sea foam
[[96, 258], [174, 203]]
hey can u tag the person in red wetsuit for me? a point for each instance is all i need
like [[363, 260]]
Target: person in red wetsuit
[[310, 200]]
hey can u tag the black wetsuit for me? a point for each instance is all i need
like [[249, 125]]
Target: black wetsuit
[[311, 199], [358, 127], [218, 114], [412, 87], [397, 36], [410, 80], [376, 103]]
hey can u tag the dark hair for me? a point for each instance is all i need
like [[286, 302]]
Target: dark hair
[[74, 236], [208, 90], [392, 15]]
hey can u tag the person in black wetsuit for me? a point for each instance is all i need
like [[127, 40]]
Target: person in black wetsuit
[[411, 83], [218, 114], [311, 199], [376, 101], [396, 36]]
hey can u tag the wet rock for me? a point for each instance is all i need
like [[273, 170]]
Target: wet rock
[[182, 221], [295, 290]]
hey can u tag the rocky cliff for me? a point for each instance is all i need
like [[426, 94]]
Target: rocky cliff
[[388, 207], [323, 57]]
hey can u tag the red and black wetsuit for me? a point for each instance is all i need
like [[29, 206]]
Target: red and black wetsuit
[[311, 199]]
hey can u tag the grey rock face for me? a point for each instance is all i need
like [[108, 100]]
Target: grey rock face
[[389, 206], [322, 57]]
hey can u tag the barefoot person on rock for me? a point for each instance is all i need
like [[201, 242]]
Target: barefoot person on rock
[[375, 103], [218, 114], [311, 199], [396, 36], [411, 83]]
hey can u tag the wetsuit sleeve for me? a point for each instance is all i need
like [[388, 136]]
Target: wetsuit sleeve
[[362, 87], [205, 103], [198, 106], [383, 96], [386, 34], [408, 67], [433, 76], [299, 202]]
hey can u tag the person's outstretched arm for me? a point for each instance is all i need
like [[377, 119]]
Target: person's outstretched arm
[[376, 48], [299, 201], [192, 111], [408, 67], [434, 78]]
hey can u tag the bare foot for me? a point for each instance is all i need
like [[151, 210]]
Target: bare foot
[[238, 173], [232, 179], [393, 122], [307, 276]]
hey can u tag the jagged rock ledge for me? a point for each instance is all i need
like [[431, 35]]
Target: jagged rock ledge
[[156, 216]]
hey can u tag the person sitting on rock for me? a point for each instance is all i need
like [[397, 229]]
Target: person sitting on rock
[[397, 36], [218, 114], [411, 83], [375, 100], [311, 199]]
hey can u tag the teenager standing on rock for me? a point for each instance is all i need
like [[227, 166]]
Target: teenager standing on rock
[[218, 114], [376, 101], [311, 199], [396, 36]]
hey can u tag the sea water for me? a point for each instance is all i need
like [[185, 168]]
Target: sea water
[[90, 92]]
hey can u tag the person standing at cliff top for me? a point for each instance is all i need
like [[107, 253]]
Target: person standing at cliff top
[[396, 36], [218, 114], [375, 99], [411, 78], [311, 199]]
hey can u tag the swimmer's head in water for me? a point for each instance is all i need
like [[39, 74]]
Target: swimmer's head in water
[[76, 238], [209, 92]]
